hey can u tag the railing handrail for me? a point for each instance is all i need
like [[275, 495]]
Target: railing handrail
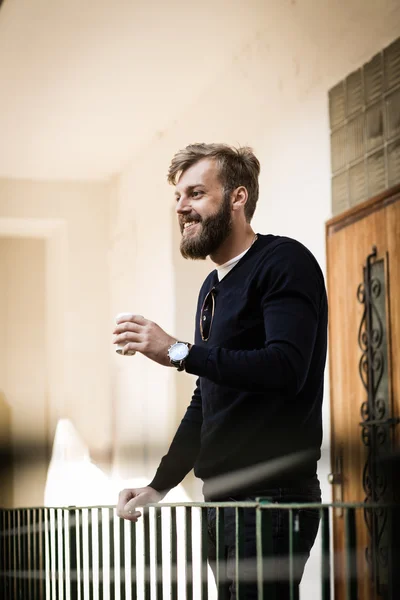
[[262, 503]]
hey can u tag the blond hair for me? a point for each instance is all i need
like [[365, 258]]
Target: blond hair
[[237, 167]]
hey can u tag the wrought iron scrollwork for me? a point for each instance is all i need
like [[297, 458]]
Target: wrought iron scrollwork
[[376, 419]]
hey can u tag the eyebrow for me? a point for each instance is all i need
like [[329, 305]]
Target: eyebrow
[[190, 188]]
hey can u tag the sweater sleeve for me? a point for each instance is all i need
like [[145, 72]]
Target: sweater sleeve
[[290, 287], [184, 448]]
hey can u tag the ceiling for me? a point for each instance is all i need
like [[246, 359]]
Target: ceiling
[[86, 84]]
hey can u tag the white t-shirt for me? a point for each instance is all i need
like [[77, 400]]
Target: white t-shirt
[[228, 266]]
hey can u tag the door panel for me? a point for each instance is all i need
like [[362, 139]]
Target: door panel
[[350, 239]]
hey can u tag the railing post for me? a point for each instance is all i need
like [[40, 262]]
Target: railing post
[[111, 552], [266, 584], [146, 547], [45, 564], [24, 565], [174, 556], [19, 556], [15, 544], [158, 551], [122, 570], [326, 555], [351, 554], [73, 555], [35, 554], [133, 561], [239, 551], [90, 553], [188, 550], [220, 553], [101, 555], [294, 531], [204, 553], [3, 576]]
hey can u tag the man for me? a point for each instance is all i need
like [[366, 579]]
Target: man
[[259, 354]]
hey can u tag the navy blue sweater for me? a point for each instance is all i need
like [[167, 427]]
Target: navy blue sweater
[[260, 381]]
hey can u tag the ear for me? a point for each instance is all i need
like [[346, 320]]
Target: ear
[[239, 198]]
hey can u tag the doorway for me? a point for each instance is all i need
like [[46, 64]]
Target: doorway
[[363, 257]]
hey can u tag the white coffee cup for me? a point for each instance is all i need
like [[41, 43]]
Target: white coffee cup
[[120, 347]]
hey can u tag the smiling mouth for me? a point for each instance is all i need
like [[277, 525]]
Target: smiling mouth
[[189, 226]]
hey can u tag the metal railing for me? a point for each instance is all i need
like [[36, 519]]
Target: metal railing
[[85, 553]]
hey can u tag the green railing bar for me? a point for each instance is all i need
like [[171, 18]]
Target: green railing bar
[[24, 565], [111, 552], [45, 546], [133, 561], [220, 566], [393, 562], [146, 548], [351, 555], [3, 554], [122, 570], [174, 555], [63, 555], [291, 553], [73, 555], [188, 550], [14, 540], [158, 552], [64, 525], [20, 555], [56, 555], [65, 547], [17, 561], [28, 555], [239, 553], [204, 554], [294, 532], [326, 555], [36, 554], [11, 547], [79, 522], [101, 555], [90, 553], [56, 558], [14, 552], [266, 587]]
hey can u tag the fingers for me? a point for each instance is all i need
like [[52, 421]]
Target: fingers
[[128, 336], [124, 497], [127, 326], [127, 502], [138, 319], [130, 348]]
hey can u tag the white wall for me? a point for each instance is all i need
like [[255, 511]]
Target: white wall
[[73, 221], [23, 356]]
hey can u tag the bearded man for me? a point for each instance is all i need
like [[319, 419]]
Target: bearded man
[[259, 356]]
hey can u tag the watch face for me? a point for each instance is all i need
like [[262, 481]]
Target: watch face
[[179, 351]]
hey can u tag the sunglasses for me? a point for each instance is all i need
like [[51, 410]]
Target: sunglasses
[[207, 315]]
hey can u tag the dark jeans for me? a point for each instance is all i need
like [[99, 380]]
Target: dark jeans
[[276, 569]]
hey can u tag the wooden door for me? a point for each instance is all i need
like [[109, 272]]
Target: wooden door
[[363, 253]]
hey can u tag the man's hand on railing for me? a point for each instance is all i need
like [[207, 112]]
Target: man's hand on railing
[[130, 499]]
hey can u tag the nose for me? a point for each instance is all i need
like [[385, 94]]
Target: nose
[[183, 206]]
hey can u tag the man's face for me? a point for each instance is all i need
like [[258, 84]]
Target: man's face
[[204, 210]]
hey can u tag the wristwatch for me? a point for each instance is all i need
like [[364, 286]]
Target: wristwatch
[[178, 353]]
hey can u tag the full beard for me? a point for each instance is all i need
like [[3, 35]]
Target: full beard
[[214, 231]]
